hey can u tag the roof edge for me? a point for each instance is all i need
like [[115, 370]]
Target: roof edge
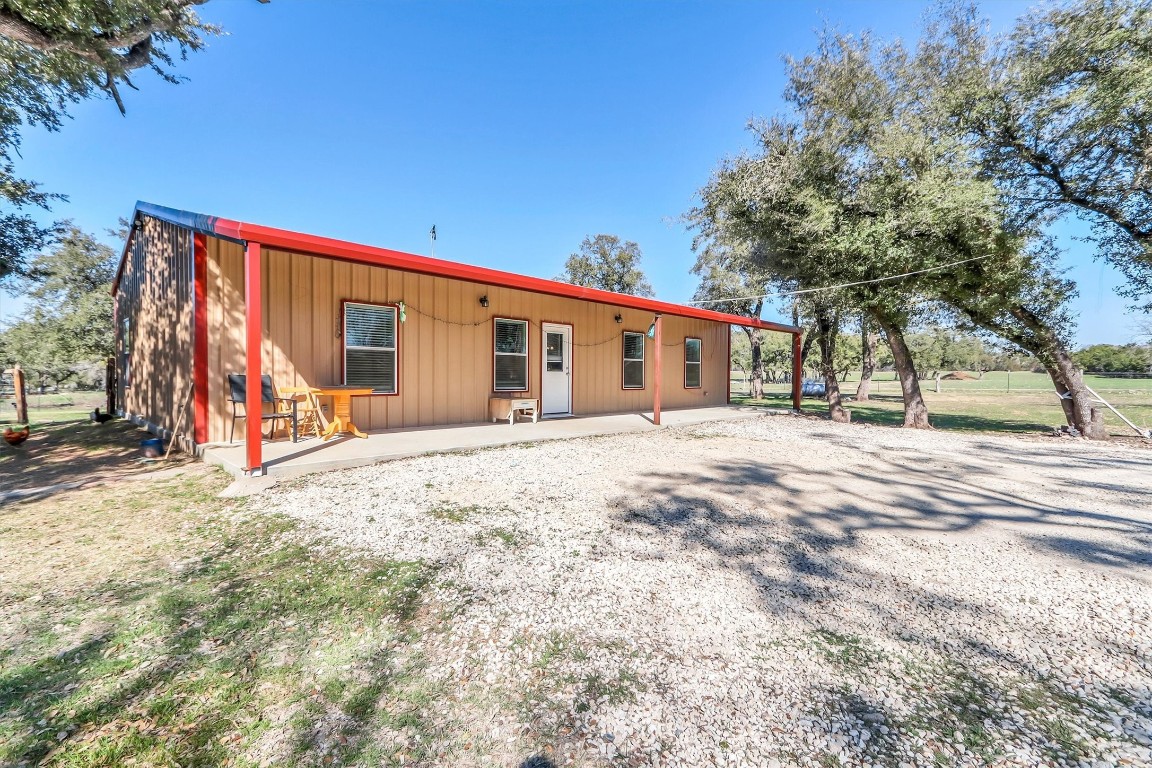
[[315, 245]]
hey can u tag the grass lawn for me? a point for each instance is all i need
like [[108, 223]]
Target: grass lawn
[[56, 407], [976, 405], [148, 623]]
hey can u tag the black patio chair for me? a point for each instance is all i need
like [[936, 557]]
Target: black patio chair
[[238, 396]]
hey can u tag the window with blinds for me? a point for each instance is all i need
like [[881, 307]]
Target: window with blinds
[[370, 347], [691, 363], [633, 360], [510, 366]]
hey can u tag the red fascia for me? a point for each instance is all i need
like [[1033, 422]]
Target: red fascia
[[408, 262], [299, 242]]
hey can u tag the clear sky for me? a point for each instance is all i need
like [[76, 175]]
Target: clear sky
[[517, 128]]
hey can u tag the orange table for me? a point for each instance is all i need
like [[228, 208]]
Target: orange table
[[342, 409]]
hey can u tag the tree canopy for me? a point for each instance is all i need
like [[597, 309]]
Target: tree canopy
[[871, 194], [608, 263], [69, 317], [54, 53], [1061, 112], [1115, 358]]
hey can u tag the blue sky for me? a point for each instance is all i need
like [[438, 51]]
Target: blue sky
[[516, 128]]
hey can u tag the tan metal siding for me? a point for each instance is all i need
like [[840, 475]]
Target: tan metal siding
[[156, 296], [225, 330], [445, 355]]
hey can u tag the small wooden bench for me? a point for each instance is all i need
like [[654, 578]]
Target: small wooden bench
[[500, 408]]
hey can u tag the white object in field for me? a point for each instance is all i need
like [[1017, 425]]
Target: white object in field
[[504, 408], [1145, 433]]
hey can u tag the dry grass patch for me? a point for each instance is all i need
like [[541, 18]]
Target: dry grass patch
[[157, 624], [77, 452]]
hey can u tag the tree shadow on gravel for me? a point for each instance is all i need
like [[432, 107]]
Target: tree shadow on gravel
[[798, 536]]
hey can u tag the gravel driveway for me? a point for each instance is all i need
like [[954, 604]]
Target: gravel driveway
[[775, 591]]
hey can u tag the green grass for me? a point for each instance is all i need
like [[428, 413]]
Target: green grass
[[885, 382], [849, 652], [55, 408], [971, 410], [509, 537], [258, 647]]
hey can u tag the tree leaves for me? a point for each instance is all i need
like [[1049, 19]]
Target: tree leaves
[[607, 263], [54, 53]]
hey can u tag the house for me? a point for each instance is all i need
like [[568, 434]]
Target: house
[[199, 297]]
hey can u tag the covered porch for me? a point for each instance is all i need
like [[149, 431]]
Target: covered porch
[[283, 458]]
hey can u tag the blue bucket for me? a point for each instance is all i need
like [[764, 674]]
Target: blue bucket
[[152, 447]]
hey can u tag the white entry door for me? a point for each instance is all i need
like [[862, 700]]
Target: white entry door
[[556, 370]]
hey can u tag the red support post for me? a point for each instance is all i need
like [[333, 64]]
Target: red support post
[[797, 371], [659, 371], [728, 370], [253, 334], [200, 338]]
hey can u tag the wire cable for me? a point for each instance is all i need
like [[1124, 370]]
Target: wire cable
[[837, 287]]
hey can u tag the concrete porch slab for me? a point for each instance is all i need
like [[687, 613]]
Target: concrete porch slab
[[283, 458]]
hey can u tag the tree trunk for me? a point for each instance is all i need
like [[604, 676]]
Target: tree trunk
[[868, 363], [1077, 402], [915, 410], [810, 334], [827, 329], [755, 339]]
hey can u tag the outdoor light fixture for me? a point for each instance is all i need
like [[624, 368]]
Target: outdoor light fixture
[[619, 318], [484, 300]]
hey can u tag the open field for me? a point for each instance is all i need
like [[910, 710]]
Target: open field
[[1030, 407], [771, 592], [56, 407]]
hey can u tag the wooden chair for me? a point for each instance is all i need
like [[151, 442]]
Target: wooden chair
[[311, 417], [283, 408]]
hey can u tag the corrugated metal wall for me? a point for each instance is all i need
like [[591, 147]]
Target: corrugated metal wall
[[156, 298], [445, 353]]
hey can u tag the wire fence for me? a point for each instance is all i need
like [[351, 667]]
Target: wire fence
[[1128, 382]]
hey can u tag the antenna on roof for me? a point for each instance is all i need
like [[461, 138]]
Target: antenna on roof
[[432, 236]]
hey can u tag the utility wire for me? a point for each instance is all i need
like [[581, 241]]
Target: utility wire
[[837, 287]]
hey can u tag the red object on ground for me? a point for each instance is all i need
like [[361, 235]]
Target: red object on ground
[[15, 437]]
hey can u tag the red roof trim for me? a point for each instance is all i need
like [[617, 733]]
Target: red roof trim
[[272, 237]]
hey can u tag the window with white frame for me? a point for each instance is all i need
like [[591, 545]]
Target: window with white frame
[[633, 360], [510, 352], [691, 363], [370, 347]]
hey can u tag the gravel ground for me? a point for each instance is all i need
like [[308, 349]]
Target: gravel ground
[[773, 591]]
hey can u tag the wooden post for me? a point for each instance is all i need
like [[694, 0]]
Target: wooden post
[[797, 371], [659, 371], [21, 395], [110, 385], [253, 336]]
